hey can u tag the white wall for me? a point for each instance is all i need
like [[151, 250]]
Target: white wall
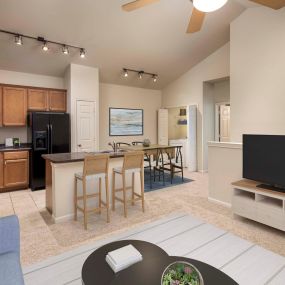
[[225, 167], [188, 89], [25, 79], [257, 73], [82, 83], [208, 120], [128, 97], [222, 91]]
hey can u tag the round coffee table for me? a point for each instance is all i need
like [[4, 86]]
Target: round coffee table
[[96, 271]]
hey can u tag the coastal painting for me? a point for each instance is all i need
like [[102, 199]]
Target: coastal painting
[[125, 122]]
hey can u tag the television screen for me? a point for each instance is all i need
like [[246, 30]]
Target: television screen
[[264, 159]]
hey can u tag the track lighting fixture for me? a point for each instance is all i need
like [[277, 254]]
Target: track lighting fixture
[[82, 53], [126, 74], [65, 49], [140, 74], [45, 43], [18, 40], [45, 47]]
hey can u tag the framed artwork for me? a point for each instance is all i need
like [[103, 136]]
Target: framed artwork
[[125, 122]]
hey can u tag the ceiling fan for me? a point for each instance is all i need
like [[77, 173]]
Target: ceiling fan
[[201, 7]]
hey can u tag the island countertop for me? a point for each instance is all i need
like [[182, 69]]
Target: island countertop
[[78, 156]]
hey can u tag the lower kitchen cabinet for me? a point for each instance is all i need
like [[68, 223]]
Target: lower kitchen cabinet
[[1, 171], [15, 171]]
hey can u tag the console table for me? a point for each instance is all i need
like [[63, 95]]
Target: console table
[[258, 204], [96, 271]]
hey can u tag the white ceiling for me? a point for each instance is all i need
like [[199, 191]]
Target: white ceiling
[[152, 39]]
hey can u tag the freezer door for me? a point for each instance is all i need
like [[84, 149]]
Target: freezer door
[[39, 123], [59, 124]]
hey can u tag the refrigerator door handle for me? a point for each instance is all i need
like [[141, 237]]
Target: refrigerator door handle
[[48, 139], [50, 127]]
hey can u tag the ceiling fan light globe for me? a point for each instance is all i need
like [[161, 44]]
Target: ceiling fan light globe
[[209, 5]]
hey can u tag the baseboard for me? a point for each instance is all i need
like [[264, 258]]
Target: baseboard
[[64, 218], [225, 204]]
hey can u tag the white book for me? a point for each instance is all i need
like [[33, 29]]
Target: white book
[[122, 258]]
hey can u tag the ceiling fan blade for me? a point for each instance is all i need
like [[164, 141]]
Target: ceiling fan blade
[[274, 4], [137, 4], [196, 21]]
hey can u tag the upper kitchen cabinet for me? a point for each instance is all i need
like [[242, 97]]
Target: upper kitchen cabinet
[[57, 101], [37, 100], [14, 109]]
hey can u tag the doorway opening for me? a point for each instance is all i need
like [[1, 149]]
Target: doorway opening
[[216, 114]]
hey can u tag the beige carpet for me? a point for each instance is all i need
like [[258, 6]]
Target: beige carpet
[[40, 238]]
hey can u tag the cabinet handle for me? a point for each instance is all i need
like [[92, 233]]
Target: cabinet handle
[[14, 160]]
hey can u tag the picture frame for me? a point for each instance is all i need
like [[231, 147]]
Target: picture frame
[[126, 122]]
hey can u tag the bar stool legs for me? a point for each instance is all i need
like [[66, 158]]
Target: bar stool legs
[[134, 195], [133, 189], [107, 199], [142, 189], [125, 195], [113, 191]]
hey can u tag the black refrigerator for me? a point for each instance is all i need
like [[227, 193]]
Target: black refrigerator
[[48, 133]]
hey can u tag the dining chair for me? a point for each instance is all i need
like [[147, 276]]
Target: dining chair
[[173, 162], [119, 144], [137, 143]]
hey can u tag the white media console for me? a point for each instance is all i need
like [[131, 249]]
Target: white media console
[[258, 204]]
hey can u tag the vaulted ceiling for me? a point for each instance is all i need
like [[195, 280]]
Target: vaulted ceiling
[[153, 38]]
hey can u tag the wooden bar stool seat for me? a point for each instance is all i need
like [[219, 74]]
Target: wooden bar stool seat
[[95, 168], [133, 163]]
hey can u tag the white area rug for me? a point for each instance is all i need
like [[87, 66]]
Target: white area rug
[[178, 234]]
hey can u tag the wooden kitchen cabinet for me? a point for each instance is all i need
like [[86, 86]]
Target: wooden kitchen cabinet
[[37, 100], [16, 169], [57, 101], [1, 108], [14, 106], [1, 171]]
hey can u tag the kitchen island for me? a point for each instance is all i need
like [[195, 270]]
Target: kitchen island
[[60, 181]]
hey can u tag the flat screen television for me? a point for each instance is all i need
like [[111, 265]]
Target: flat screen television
[[264, 160]]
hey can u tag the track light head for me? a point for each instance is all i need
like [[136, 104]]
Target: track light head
[[45, 46], [126, 74], [154, 78], [82, 53], [18, 40], [65, 49], [140, 74]]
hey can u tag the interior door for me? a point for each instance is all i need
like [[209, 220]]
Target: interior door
[[225, 112], [163, 127], [85, 125]]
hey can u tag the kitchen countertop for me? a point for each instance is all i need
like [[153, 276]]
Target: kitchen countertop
[[23, 146], [78, 156]]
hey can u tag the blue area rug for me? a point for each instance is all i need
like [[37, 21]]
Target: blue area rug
[[156, 185]]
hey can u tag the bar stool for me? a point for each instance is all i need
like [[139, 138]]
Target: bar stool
[[133, 163], [95, 167]]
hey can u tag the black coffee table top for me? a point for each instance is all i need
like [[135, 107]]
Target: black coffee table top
[[96, 271]]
